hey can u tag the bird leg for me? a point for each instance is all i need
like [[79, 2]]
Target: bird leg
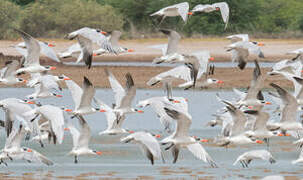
[[27, 136], [41, 144], [162, 20], [34, 117], [9, 157], [76, 160]]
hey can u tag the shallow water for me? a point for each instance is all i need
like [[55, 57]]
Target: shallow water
[[149, 64], [127, 161]]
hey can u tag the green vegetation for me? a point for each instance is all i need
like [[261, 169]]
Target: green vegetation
[[54, 18]]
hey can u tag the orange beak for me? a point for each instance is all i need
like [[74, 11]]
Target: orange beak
[[268, 103], [29, 150], [24, 81], [30, 102], [53, 68], [218, 9], [140, 111], [99, 153], [130, 50], [158, 136], [103, 32], [250, 107], [301, 70], [211, 58], [186, 99], [176, 101], [220, 82], [94, 54], [287, 134], [58, 95], [259, 141], [190, 13], [261, 44], [131, 132], [280, 134], [68, 110], [66, 129], [51, 45], [102, 110], [67, 79], [204, 140]]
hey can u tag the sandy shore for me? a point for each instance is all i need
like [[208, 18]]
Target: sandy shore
[[233, 77], [274, 49]]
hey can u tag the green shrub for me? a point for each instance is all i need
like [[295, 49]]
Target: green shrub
[[9, 15]]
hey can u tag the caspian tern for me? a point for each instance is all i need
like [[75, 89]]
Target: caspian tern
[[13, 150], [82, 97], [171, 48], [221, 6], [158, 104], [180, 9], [148, 143], [180, 137], [289, 113], [32, 64], [247, 157], [240, 51], [123, 96], [8, 75], [54, 116], [81, 139], [45, 48]]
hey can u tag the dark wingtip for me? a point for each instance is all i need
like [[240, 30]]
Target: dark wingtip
[[251, 112], [129, 80], [165, 31], [8, 62], [87, 81]]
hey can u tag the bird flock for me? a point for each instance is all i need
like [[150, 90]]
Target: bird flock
[[243, 121]]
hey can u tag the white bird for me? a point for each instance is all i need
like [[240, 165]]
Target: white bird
[[8, 73], [240, 51], [42, 91], [158, 104], [75, 51], [82, 97], [221, 6], [32, 64], [171, 53], [181, 72], [46, 50], [252, 97], [114, 122], [113, 39], [123, 96], [50, 81], [259, 129], [148, 143], [81, 139], [16, 107], [180, 9], [55, 117], [298, 53], [13, 150], [95, 35], [234, 133], [180, 138], [289, 113], [247, 157]]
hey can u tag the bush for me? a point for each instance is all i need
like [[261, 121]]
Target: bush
[[9, 15], [56, 18]]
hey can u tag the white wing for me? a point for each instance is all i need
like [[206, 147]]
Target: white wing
[[116, 87], [199, 152], [34, 156], [162, 47], [48, 51], [76, 92], [224, 11], [56, 118], [150, 142], [183, 10]]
